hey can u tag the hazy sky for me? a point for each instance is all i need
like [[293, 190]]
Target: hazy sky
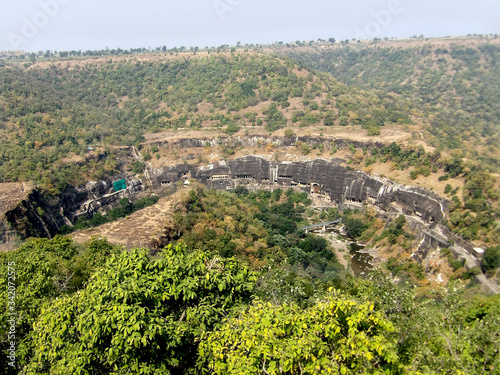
[[35, 25]]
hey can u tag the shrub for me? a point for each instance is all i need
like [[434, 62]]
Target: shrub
[[491, 258], [374, 130]]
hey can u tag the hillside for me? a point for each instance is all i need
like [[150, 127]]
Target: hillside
[[53, 111], [69, 121], [453, 81]]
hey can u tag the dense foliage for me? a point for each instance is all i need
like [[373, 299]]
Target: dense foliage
[[455, 83], [103, 310], [258, 228], [139, 315], [335, 336], [44, 271]]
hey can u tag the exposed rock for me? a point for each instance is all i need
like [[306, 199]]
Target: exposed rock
[[41, 215], [326, 178]]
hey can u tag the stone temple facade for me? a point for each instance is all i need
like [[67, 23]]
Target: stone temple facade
[[328, 179]]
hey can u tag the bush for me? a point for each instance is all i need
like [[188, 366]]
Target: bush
[[456, 264], [475, 271], [303, 147], [491, 258], [329, 120], [137, 167], [374, 130], [354, 227], [231, 128]]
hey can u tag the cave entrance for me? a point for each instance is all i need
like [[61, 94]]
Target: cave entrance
[[315, 188]]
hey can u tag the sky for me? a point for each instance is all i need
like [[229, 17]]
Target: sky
[[58, 25]]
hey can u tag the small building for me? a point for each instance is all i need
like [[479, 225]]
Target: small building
[[478, 252]]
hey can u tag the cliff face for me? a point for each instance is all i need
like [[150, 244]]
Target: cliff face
[[326, 178], [42, 215]]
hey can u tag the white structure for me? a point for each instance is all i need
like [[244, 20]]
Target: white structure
[[478, 252]]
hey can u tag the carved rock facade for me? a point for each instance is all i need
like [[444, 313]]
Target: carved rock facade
[[327, 178], [42, 216]]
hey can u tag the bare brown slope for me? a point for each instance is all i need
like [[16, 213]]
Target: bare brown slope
[[136, 230]]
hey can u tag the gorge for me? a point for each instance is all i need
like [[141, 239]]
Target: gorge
[[327, 181]]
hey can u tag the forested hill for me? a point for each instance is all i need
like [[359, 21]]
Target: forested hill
[[240, 288], [54, 109], [453, 80], [62, 120]]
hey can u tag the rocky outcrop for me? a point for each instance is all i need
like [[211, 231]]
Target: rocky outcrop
[[42, 215], [322, 177]]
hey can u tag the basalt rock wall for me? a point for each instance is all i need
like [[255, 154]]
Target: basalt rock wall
[[327, 178], [42, 215]]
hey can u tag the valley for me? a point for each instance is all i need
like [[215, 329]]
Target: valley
[[157, 202]]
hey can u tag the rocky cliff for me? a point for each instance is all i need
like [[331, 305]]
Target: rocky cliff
[[41, 214], [325, 178]]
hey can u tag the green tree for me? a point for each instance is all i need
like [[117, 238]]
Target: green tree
[[44, 270], [353, 227], [274, 118], [335, 336], [231, 128], [329, 119], [138, 315], [491, 258]]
